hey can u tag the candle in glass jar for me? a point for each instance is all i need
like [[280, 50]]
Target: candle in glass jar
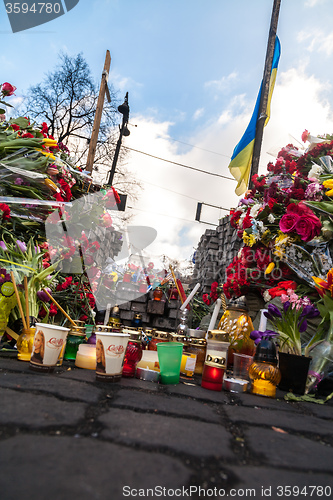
[[86, 356], [212, 377]]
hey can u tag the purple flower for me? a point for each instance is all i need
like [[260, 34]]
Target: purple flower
[[302, 325], [3, 246], [310, 312], [286, 306], [22, 246], [18, 181], [257, 335], [273, 311], [246, 201], [43, 296]]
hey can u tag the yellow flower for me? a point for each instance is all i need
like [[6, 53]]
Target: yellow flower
[[269, 268], [282, 239], [249, 239], [328, 185], [50, 155], [50, 142], [114, 276], [51, 185]]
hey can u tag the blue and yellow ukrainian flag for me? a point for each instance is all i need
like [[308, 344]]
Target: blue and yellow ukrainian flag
[[241, 160]]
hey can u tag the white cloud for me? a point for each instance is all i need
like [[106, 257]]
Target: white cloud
[[223, 84], [317, 41], [198, 113], [314, 3], [123, 83]]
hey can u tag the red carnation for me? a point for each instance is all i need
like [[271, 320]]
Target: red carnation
[[5, 211], [206, 299]]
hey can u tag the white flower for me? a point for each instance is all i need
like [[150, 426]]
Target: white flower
[[255, 209], [271, 218], [315, 172], [266, 296], [260, 226]]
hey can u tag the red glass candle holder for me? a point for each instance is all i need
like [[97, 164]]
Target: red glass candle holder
[[212, 377], [132, 356], [158, 294]]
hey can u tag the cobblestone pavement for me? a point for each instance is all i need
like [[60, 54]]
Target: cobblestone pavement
[[66, 436]]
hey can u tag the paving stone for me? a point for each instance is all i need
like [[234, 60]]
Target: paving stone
[[165, 403], [14, 364], [197, 392], [283, 419], [285, 450], [68, 468], [80, 374], [322, 411], [34, 410], [138, 384], [247, 399], [271, 481], [180, 434], [52, 384]]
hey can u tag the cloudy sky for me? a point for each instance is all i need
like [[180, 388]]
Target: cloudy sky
[[192, 69]]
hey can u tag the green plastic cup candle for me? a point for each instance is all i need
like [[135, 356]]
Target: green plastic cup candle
[[170, 357]]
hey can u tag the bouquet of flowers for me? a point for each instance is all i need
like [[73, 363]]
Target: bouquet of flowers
[[322, 354]]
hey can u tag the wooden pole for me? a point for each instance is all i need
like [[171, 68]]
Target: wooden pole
[[265, 90], [98, 114], [59, 307], [18, 300]]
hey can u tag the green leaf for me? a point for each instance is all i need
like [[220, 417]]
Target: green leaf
[[309, 398], [20, 121], [2, 111]]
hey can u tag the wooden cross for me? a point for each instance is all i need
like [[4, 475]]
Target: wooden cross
[[104, 89]]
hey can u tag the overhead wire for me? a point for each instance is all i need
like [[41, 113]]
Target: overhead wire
[[198, 147], [181, 164], [171, 216], [181, 194]]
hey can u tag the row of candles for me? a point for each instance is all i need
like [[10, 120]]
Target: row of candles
[[204, 353]]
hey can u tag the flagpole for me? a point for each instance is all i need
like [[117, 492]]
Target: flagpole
[[265, 91]]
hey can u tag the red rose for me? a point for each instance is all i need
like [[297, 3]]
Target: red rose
[[7, 89], [308, 227], [15, 127], [288, 222]]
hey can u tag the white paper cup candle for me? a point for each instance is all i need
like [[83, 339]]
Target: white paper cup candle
[[48, 342], [110, 353]]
